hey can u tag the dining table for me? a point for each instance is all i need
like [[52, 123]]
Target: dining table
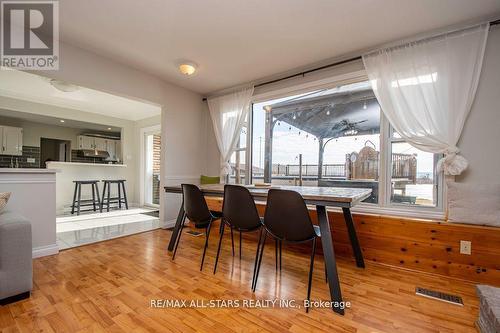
[[321, 198]]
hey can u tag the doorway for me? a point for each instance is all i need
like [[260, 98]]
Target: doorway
[[54, 150], [152, 163]]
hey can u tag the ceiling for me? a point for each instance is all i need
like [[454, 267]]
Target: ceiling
[[234, 42], [330, 113], [35, 88]]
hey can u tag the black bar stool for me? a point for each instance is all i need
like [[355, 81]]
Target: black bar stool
[[107, 199], [78, 202]]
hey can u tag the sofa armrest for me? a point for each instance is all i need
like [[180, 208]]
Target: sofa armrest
[[15, 255]]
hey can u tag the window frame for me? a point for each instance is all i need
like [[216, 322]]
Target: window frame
[[388, 174], [384, 205]]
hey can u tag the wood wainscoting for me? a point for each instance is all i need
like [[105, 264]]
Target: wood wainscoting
[[417, 244]]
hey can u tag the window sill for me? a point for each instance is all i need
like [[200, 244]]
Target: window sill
[[407, 212]]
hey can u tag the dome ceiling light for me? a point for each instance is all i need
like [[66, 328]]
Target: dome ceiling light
[[188, 68], [63, 86]]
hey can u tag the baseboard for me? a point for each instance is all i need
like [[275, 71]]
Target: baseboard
[[47, 250]]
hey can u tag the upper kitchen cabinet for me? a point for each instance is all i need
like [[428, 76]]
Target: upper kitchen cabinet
[[113, 147], [101, 144], [11, 140], [85, 142]]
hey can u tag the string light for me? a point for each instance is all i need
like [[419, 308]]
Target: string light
[[328, 112], [294, 116], [364, 106]]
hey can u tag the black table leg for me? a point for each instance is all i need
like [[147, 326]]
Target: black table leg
[[328, 253], [74, 200], [177, 227], [354, 238]]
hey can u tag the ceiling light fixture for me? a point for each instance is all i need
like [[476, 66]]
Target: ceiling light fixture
[[109, 128], [364, 106], [188, 68], [62, 120], [63, 86]]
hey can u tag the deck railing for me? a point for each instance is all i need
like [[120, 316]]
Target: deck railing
[[292, 170], [404, 166]]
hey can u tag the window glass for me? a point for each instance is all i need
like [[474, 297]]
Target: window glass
[[413, 180], [329, 137]]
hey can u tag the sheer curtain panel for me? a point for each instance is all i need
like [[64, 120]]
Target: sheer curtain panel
[[229, 113], [426, 89]]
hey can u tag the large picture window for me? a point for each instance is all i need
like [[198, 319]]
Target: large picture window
[[333, 137]]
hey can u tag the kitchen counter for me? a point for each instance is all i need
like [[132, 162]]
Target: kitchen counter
[[55, 164]]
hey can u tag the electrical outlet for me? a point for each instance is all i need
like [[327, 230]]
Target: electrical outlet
[[465, 247]]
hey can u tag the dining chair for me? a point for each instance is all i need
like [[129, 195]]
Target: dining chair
[[287, 220], [196, 210], [240, 214]]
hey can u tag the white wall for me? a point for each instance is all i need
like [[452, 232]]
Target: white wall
[[34, 197], [212, 154], [480, 139]]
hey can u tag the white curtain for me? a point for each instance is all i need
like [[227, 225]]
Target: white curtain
[[426, 89], [228, 115]]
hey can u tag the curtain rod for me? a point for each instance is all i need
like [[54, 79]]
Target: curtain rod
[[492, 23]]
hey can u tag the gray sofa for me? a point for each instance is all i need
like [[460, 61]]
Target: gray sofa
[[16, 272]]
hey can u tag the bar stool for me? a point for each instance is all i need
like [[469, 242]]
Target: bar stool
[[78, 202], [107, 199]]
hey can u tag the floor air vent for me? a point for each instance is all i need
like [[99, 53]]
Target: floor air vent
[[453, 299]]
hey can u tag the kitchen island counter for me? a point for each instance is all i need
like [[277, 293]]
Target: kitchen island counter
[[53, 165]]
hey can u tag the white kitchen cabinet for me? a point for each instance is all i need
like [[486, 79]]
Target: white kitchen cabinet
[[118, 150], [100, 144], [11, 140], [111, 149]]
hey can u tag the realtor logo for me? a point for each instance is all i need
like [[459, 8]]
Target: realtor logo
[[30, 35]]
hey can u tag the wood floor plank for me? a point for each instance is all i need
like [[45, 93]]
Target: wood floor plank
[[109, 286]]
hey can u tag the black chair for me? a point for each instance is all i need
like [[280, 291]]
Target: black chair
[[239, 213], [287, 219], [196, 210]]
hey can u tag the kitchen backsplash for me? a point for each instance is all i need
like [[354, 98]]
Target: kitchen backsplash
[[80, 159], [33, 155], [29, 152]]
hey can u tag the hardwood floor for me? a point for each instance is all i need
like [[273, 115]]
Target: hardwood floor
[[109, 286]]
